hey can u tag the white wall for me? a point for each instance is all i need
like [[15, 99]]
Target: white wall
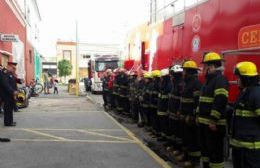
[[99, 49], [33, 19]]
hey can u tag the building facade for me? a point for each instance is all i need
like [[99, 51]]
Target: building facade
[[67, 50], [49, 64], [12, 22], [31, 13], [19, 21]]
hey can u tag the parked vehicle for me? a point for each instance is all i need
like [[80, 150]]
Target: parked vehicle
[[98, 65], [22, 98], [35, 88]]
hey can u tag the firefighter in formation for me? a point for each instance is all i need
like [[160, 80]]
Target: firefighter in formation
[[189, 117], [246, 118]]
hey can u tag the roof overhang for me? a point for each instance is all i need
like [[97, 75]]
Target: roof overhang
[[246, 51]]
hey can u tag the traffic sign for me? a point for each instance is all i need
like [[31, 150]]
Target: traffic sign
[[9, 38]]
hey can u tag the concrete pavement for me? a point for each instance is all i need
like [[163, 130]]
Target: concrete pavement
[[58, 131]]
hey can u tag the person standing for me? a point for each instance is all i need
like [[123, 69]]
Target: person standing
[[145, 100], [123, 92], [46, 82], [4, 86], [163, 97], [132, 96], [105, 90], [55, 85], [173, 109], [116, 91], [189, 101], [246, 118], [211, 118], [9, 93], [154, 101], [139, 91]]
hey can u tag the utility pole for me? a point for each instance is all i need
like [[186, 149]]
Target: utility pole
[[77, 60]]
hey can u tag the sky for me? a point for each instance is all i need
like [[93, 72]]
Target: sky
[[99, 21]]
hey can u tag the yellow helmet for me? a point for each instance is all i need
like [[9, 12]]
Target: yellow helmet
[[147, 75], [246, 69], [189, 65], [156, 73], [211, 57]]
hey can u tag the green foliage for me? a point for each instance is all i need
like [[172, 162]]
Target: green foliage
[[64, 67]]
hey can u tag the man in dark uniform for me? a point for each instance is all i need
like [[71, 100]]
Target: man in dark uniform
[[132, 95], [105, 87], [9, 93], [146, 100], [163, 97], [123, 91], [246, 119], [173, 109], [116, 91], [3, 86], [188, 104], [211, 112], [154, 101], [110, 90], [139, 90]]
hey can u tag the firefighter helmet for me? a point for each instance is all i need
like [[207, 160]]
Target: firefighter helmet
[[147, 75], [164, 72], [176, 69], [211, 57], [156, 73], [246, 69], [190, 65]]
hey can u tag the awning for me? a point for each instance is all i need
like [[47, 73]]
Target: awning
[[6, 53], [246, 51]]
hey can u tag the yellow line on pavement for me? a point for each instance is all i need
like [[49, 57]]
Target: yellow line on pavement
[[63, 129], [104, 135], [37, 131], [64, 111], [45, 134], [70, 140], [105, 130], [141, 144]]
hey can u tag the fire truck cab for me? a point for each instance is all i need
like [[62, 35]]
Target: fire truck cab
[[97, 66]]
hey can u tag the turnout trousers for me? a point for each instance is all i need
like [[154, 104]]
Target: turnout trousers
[[125, 105], [147, 116], [163, 122], [176, 129], [8, 111], [154, 120], [191, 141], [245, 158], [134, 110], [212, 146], [119, 104]]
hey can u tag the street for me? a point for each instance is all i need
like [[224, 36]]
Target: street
[[68, 131]]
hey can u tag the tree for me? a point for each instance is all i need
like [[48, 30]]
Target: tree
[[65, 68]]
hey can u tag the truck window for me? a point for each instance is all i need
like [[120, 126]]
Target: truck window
[[104, 65]]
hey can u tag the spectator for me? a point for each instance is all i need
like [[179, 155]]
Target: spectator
[[55, 84], [46, 82]]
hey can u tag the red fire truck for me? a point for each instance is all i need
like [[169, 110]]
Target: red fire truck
[[97, 66], [229, 27]]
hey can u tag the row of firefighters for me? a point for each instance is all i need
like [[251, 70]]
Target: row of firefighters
[[193, 118]]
